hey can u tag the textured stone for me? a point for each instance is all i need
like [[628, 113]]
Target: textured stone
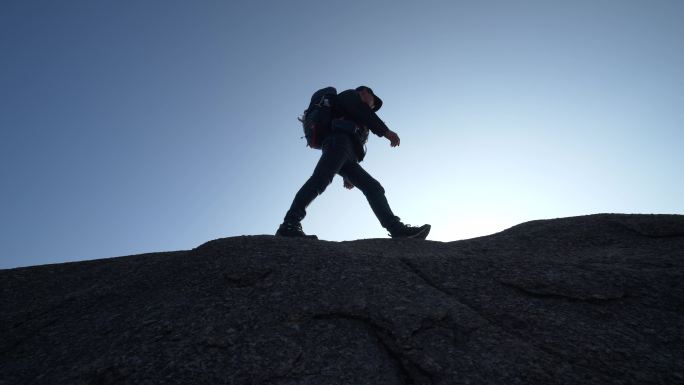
[[584, 300]]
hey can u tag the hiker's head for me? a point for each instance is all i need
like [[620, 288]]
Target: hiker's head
[[369, 97]]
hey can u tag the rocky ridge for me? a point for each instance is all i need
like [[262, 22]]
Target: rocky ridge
[[585, 300]]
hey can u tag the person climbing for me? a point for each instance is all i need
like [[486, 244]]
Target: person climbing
[[353, 114]]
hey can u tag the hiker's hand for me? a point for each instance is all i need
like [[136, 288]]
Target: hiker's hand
[[347, 184], [393, 138]]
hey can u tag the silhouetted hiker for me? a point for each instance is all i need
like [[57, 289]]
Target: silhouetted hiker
[[353, 114]]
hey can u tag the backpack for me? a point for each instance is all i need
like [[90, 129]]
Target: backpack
[[317, 119]]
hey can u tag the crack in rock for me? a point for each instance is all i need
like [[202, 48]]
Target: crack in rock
[[411, 373], [540, 293], [424, 277], [239, 280], [288, 375], [505, 328]]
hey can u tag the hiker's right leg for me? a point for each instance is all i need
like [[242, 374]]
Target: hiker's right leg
[[335, 153], [375, 194]]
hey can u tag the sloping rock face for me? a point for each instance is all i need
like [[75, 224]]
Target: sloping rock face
[[585, 300]]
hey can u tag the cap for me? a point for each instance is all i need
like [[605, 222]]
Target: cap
[[377, 101]]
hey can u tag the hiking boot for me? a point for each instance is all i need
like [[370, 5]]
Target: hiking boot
[[408, 231], [292, 229]]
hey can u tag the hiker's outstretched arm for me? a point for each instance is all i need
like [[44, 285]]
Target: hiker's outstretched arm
[[392, 137], [360, 113]]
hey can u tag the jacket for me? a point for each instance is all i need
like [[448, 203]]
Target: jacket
[[349, 106]]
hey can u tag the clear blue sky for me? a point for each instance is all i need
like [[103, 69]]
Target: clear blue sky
[[139, 126]]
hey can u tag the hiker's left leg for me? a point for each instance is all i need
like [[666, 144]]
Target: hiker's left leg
[[373, 191], [336, 151]]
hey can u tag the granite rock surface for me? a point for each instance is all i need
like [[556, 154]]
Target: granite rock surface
[[584, 300]]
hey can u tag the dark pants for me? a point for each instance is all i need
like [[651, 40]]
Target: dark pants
[[339, 158]]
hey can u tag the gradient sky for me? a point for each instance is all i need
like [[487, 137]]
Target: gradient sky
[[140, 126]]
